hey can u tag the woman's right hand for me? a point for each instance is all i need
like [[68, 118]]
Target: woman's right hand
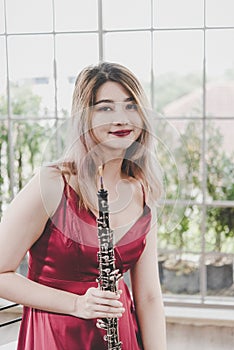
[[96, 303]]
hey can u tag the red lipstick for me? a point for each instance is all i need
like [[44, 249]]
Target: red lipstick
[[121, 133]]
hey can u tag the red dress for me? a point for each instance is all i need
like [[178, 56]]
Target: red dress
[[65, 257]]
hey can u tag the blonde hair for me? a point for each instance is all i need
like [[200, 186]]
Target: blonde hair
[[82, 157]]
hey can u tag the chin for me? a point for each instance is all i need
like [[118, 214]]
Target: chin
[[119, 144]]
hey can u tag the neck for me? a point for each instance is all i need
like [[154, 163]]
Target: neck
[[113, 181], [112, 170]]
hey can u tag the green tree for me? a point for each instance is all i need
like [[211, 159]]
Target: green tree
[[220, 173], [183, 181], [220, 186], [28, 136]]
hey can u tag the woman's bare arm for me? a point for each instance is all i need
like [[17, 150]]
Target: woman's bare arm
[[21, 225], [147, 296]]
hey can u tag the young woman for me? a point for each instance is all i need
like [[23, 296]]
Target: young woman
[[54, 219]]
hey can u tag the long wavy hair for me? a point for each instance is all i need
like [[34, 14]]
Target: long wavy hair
[[82, 156]]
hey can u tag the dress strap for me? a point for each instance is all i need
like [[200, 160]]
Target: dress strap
[[55, 166], [143, 191], [64, 178]]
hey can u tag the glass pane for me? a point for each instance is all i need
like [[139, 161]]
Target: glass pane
[[179, 153], [178, 13], [132, 50], [220, 72], [4, 154], [76, 15], [30, 143], [219, 12], [126, 14], [2, 19], [219, 98], [179, 229], [29, 16], [4, 161], [179, 245], [70, 62], [220, 160], [220, 230], [58, 138], [178, 81], [220, 245], [3, 78], [31, 75]]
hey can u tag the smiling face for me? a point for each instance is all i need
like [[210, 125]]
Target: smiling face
[[116, 122]]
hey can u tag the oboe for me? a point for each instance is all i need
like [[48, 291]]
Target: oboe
[[108, 274]]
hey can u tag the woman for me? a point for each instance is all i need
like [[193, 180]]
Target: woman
[[54, 218]]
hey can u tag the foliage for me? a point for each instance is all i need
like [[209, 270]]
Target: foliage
[[23, 101], [220, 170], [220, 186], [28, 138], [179, 227]]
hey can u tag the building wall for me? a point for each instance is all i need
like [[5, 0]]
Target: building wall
[[194, 337]]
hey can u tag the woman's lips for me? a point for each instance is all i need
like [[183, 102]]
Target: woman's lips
[[121, 133]]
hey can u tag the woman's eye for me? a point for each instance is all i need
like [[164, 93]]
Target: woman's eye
[[131, 107], [104, 108]]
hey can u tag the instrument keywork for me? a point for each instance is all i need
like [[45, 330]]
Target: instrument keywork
[[108, 274]]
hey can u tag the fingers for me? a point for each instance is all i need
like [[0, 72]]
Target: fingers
[[106, 303], [100, 304], [104, 311], [106, 294]]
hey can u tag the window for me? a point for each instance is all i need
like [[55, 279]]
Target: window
[[183, 54]]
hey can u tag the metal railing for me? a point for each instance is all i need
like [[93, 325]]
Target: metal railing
[[14, 320]]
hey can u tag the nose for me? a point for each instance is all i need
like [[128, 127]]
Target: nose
[[120, 122], [120, 116]]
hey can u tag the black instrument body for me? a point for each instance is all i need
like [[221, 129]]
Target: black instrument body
[[108, 275]]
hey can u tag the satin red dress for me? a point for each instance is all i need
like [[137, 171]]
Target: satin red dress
[[65, 257]]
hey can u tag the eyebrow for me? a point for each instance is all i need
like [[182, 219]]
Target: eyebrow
[[128, 99]]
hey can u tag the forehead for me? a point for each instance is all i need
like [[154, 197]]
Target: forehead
[[111, 90]]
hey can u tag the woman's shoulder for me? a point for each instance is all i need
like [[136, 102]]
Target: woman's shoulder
[[139, 189], [49, 173], [36, 201], [50, 180]]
